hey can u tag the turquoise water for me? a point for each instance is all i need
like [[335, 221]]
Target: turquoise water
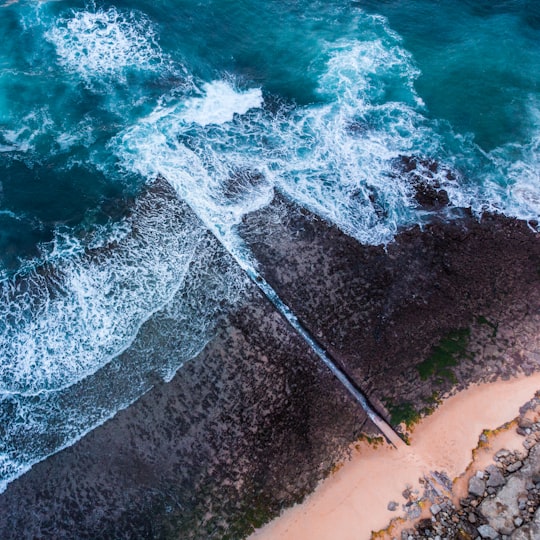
[[228, 101]]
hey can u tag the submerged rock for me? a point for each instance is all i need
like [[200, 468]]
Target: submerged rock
[[425, 177]]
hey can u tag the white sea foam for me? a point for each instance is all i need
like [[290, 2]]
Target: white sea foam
[[105, 44], [29, 129], [505, 180], [157, 284], [335, 157], [341, 155], [60, 327], [157, 146], [219, 104], [521, 167]]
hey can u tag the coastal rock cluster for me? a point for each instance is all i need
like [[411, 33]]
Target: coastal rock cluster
[[425, 176], [503, 499]]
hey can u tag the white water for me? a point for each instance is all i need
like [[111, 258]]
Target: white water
[[335, 158], [104, 45], [224, 146], [157, 293], [62, 327]]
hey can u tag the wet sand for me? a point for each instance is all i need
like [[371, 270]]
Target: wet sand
[[352, 503]]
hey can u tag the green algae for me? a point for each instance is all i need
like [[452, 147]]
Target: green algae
[[450, 350], [403, 412], [483, 321]]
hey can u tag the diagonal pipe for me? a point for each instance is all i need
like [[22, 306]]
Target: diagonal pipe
[[386, 429], [238, 253]]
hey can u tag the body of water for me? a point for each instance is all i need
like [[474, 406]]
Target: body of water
[[228, 101]]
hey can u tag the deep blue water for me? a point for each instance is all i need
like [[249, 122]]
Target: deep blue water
[[316, 99]]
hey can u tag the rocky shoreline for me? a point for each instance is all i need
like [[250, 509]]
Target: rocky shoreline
[[251, 424], [439, 308], [245, 428], [502, 501]]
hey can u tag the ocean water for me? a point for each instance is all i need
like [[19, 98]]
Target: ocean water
[[100, 278]]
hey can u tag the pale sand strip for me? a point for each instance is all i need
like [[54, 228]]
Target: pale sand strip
[[352, 502]]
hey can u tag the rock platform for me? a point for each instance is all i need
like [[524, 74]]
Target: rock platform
[[254, 421]]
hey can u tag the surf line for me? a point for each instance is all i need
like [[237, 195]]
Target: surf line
[[286, 312]]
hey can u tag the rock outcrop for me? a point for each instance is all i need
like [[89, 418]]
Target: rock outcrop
[[433, 311], [503, 500], [252, 423]]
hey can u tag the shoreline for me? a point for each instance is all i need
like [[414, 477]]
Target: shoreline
[[343, 505], [254, 422]]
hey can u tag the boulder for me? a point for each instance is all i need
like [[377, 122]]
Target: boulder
[[485, 531], [530, 531], [435, 509], [525, 423], [496, 479], [477, 486], [513, 467], [501, 510]]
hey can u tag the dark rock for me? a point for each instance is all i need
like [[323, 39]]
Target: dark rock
[[424, 176], [392, 506], [513, 467], [366, 302], [241, 180], [528, 444], [424, 526], [496, 479], [525, 423], [243, 429], [435, 509], [406, 494]]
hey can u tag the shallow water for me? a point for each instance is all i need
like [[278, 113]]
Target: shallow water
[[227, 101]]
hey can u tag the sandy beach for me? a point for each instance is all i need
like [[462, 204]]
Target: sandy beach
[[352, 502]]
